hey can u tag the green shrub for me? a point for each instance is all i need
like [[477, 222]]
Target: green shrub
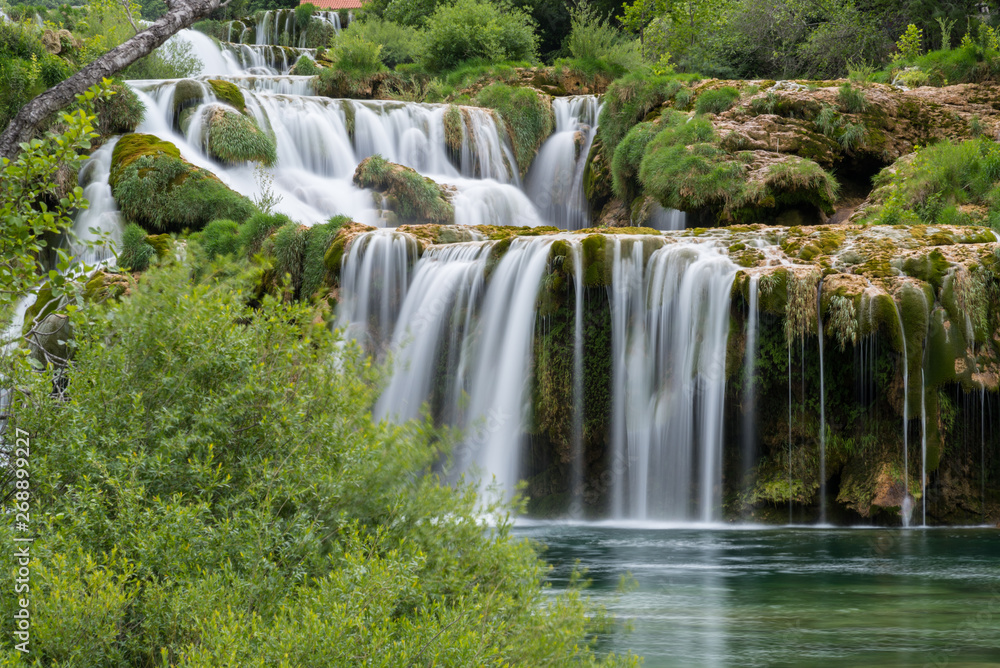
[[476, 29], [597, 45], [717, 101], [527, 115], [257, 229], [305, 66], [852, 100], [627, 102], [628, 156], [119, 113], [356, 56], [828, 120], [220, 238], [400, 44], [233, 501], [135, 253], [236, 139], [303, 15]]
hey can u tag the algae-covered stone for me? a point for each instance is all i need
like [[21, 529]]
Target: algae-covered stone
[[230, 93]]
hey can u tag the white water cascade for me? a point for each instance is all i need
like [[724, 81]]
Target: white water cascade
[[434, 322], [822, 405], [556, 177], [375, 276], [669, 331], [101, 220], [907, 507], [749, 380]]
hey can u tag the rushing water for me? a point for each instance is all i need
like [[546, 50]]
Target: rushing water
[[790, 597]]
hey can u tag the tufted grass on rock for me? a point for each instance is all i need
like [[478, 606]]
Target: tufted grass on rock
[[220, 238], [627, 102], [933, 183], [717, 101], [628, 157], [852, 100], [237, 139], [318, 240], [120, 112], [255, 231], [411, 196]]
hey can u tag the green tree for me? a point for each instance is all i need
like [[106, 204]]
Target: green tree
[[30, 207]]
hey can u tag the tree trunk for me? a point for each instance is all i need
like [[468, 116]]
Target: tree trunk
[[181, 15]]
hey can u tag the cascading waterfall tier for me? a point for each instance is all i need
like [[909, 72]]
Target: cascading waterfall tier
[[670, 327]]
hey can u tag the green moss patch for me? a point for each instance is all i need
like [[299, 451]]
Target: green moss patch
[[414, 198]]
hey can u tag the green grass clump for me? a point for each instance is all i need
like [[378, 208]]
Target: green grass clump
[[236, 139], [255, 231], [527, 116], [852, 100], [685, 168], [717, 101], [628, 100], [135, 253], [220, 238], [289, 246], [414, 198], [156, 189], [318, 240]]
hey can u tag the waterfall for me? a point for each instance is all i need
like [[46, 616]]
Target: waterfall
[[789, 431], [982, 447], [435, 319], [822, 406], [556, 176], [102, 215], [578, 465], [923, 448], [502, 363], [907, 506], [668, 404], [374, 278], [749, 369]]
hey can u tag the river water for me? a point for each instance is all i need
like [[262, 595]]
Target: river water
[[755, 596]]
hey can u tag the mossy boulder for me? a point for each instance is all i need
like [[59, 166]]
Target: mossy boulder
[[412, 197], [188, 93], [338, 247], [157, 189]]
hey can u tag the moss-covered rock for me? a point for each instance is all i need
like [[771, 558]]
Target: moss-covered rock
[[412, 197], [161, 192]]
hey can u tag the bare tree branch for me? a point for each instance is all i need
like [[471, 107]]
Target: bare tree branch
[[182, 14]]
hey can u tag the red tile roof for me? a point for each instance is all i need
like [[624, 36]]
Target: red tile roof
[[333, 4]]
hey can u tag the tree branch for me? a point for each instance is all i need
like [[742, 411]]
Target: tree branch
[[181, 15]]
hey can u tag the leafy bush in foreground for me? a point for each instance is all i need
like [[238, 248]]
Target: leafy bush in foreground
[[474, 29], [215, 492]]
